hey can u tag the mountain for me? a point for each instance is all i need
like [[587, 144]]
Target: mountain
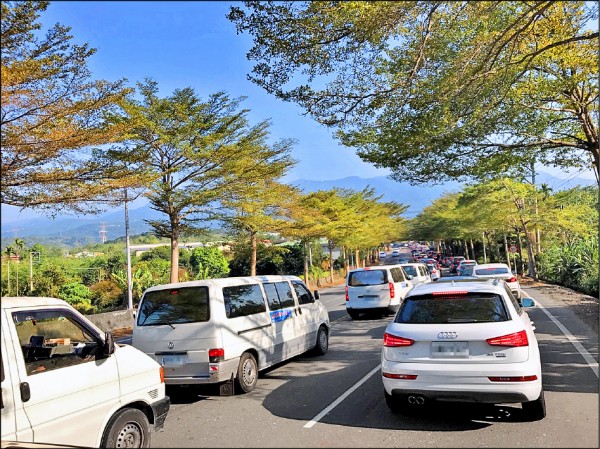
[[81, 230]]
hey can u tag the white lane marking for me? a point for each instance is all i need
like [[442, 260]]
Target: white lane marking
[[593, 364], [335, 403]]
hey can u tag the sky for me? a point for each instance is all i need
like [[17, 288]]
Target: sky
[[191, 43]]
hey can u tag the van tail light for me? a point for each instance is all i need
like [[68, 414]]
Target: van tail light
[[216, 355], [512, 279], [162, 374], [392, 341], [392, 291], [516, 339], [347, 297]]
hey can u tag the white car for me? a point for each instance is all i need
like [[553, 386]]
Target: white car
[[380, 288], [382, 254], [469, 341], [417, 271], [501, 271]]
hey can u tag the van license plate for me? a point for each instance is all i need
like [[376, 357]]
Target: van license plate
[[450, 349], [172, 361]]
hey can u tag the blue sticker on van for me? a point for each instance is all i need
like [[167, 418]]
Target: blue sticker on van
[[281, 315]]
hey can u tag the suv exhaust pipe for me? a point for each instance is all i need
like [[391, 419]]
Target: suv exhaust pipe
[[416, 400]]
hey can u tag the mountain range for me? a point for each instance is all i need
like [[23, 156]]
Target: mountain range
[[71, 231]]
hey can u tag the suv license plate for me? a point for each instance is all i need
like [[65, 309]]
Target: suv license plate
[[172, 361], [450, 349]]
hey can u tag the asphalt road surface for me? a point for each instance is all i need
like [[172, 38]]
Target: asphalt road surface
[[337, 400]]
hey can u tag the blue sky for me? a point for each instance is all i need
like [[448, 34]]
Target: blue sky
[[191, 43]]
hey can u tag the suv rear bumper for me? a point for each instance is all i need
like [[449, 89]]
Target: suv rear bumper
[[484, 397]]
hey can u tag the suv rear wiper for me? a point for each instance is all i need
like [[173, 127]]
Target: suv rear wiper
[[461, 320]]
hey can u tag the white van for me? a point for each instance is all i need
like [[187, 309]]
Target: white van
[[216, 330], [377, 288], [418, 272], [64, 381]]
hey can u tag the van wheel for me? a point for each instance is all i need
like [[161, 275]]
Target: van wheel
[[535, 410], [353, 314], [247, 374], [322, 341], [128, 427]]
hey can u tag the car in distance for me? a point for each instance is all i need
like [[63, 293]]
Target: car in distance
[[463, 342], [382, 254], [501, 271], [417, 271], [380, 288]]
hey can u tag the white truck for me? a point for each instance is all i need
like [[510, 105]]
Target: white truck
[[64, 381]]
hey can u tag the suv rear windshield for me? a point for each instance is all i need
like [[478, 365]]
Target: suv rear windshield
[[495, 270], [469, 308], [367, 277], [174, 306]]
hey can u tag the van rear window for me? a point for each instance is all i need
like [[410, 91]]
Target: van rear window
[[367, 277], [174, 306], [470, 308]]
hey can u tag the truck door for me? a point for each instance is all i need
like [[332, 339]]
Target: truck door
[[68, 382], [15, 425]]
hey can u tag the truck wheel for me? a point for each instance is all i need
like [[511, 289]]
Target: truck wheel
[[322, 341], [128, 427], [247, 374]]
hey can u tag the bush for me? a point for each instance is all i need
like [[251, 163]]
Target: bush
[[78, 295], [107, 295], [209, 262]]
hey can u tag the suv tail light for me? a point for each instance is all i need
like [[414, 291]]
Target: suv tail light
[[216, 355], [513, 378], [392, 291], [512, 279], [516, 339], [392, 341], [347, 297]]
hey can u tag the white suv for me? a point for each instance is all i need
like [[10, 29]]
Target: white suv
[[501, 271], [469, 341], [378, 288]]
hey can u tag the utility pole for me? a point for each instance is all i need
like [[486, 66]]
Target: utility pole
[[128, 250]]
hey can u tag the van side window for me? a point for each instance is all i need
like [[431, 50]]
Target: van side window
[[53, 339], [279, 295], [397, 275], [303, 294], [243, 300], [285, 294]]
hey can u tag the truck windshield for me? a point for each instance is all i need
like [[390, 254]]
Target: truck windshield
[[174, 306]]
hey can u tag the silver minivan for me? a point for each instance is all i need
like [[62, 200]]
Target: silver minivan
[[376, 289], [229, 329]]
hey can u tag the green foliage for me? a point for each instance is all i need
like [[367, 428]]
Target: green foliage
[[435, 90], [270, 260], [573, 264], [78, 295], [160, 252], [209, 262], [107, 295]]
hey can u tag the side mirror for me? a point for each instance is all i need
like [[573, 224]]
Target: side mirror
[[109, 345], [316, 293], [409, 277], [527, 302]]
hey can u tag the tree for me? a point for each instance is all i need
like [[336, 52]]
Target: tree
[[264, 205], [209, 262], [52, 117], [436, 90], [201, 153]]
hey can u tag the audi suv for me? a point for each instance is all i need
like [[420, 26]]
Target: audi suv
[[469, 341]]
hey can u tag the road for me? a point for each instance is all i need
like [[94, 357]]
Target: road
[[337, 400]]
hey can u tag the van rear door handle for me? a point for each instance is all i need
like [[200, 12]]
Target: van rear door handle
[[25, 391]]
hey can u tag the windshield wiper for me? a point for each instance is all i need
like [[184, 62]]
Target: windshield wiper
[[461, 320]]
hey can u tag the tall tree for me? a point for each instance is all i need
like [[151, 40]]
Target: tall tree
[[201, 153], [52, 116], [434, 89]]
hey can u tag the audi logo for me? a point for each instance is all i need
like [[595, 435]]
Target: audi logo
[[447, 335], [171, 345]]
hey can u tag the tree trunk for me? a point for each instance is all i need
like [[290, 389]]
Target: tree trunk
[[253, 246], [330, 247], [522, 259], [530, 254], [484, 252], [472, 249], [466, 249], [506, 251], [357, 257], [306, 247], [175, 257]]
